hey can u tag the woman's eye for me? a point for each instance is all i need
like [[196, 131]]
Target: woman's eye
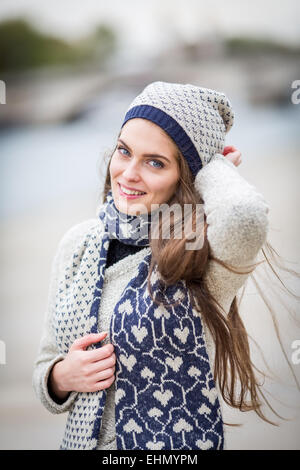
[[122, 148], [161, 165], [157, 162]]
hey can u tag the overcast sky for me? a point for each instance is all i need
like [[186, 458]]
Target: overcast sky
[[149, 24]]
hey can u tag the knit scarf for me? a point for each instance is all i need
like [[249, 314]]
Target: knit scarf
[[165, 395]]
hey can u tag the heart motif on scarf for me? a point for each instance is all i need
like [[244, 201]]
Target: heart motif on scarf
[[182, 425], [163, 397], [139, 333], [155, 445], [210, 394], [155, 412], [182, 334], [147, 373], [132, 426], [174, 363], [128, 362], [204, 445]]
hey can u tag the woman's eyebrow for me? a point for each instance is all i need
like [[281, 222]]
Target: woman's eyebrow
[[153, 155]]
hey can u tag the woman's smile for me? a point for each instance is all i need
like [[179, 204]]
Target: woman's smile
[[129, 194]]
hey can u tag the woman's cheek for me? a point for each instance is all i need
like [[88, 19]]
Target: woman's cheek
[[115, 166]]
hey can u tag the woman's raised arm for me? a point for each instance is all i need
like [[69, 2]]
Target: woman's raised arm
[[237, 218]]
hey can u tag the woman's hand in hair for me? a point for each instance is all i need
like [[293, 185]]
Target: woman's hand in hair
[[84, 371], [233, 155]]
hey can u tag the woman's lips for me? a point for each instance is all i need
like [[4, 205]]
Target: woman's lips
[[129, 196]]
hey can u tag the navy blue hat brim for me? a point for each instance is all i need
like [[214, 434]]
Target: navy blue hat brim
[[172, 128]]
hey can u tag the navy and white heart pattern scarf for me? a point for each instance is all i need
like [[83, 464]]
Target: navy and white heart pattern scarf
[[165, 395]]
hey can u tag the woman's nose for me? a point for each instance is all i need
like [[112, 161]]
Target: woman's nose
[[131, 171]]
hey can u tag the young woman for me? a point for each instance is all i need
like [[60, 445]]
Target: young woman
[[142, 337]]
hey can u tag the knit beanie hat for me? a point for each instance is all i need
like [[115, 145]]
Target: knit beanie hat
[[197, 119]]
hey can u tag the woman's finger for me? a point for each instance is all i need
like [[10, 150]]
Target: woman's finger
[[96, 355], [104, 374], [234, 157], [103, 364], [229, 149], [102, 384], [82, 343]]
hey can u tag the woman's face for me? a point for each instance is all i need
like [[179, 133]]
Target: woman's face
[[145, 161]]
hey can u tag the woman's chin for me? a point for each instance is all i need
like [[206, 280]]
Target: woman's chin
[[131, 207]]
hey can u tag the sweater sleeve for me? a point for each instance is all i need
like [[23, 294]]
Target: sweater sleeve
[[48, 353], [237, 218]]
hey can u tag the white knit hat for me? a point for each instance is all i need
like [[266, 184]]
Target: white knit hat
[[196, 118]]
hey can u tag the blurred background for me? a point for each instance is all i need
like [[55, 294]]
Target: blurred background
[[69, 70]]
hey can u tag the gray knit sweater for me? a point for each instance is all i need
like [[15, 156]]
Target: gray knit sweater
[[237, 217]]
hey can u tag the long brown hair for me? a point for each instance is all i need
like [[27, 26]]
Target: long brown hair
[[233, 369]]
